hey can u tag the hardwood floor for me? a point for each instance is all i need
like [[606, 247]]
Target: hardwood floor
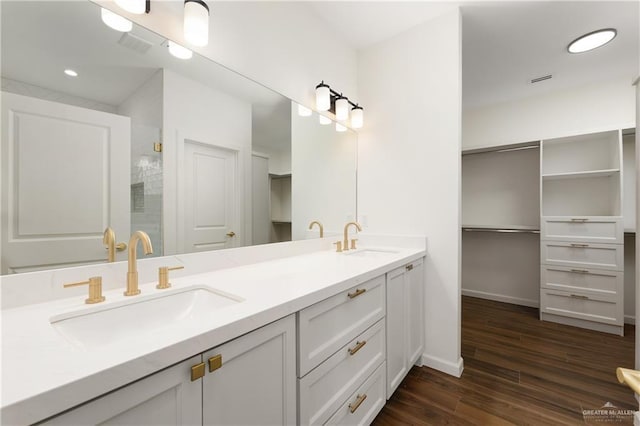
[[517, 370]]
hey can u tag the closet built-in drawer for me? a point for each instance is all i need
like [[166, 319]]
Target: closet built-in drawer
[[597, 281], [328, 325], [599, 308], [327, 387], [582, 255], [364, 404], [594, 229]]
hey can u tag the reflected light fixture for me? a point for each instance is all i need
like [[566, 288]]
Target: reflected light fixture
[[70, 72], [592, 40], [196, 22], [324, 120], [178, 51], [303, 111], [340, 127], [328, 99], [137, 7], [115, 21]]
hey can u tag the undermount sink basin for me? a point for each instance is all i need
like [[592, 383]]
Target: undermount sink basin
[[98, 326], [372, 252]]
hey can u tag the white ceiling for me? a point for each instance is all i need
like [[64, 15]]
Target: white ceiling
[[505, 43]]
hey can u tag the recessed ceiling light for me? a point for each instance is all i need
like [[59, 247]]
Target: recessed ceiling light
[[115, 21], [70, 72], [179, 51], [591, 41]]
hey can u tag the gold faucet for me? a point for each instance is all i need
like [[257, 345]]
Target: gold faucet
[[109, 240], [319, 225], [630, 377], [345, 243], [132, 273]]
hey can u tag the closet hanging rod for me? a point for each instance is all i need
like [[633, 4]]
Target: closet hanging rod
[[504, 231], [495, 149]]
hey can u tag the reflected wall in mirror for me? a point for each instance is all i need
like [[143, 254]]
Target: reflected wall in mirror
[[80, 154]]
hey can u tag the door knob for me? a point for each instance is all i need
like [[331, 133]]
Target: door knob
[[231, 234]]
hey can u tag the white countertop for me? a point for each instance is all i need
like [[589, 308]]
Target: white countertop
[[44, 373]]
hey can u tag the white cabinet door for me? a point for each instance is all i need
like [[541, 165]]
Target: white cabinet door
[[253, 381], [397, 366], [165, 398], [415, 312]]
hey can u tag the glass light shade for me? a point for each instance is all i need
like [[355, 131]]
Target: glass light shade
[[196, 23], [324, 120], [323, 99], [342, 109], [303, 111], [70, 72], [115, 21], [133, 6], [592, 40], [340, 128], [357, 118], [178, 51]]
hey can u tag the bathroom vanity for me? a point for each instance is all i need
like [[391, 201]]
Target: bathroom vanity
[[295, 331]]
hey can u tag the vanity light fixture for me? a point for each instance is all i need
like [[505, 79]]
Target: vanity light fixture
[[324, 120], [115, 21], [196, 22], [70, 72], [178, 51], [592, 40], [137, 7], [303, 111], [328, 99]]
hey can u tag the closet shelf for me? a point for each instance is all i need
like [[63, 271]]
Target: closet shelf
[[583, 174]]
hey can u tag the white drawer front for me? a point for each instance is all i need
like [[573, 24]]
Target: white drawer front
[[582, 279], [327, 326], [585, 228], [604, 309], [365, 404], [582, 255], [328, 386]]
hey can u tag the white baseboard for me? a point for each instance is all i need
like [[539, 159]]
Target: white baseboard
[[630, 319], [501, 298], [451, 368]]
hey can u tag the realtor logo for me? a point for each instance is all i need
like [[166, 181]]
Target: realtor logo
[[608, 413]]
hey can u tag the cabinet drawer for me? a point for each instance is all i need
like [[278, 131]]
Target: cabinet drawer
[[364, 404], [583, 228], [582, 255], [599, 308], [327, 387], [327, 326], [582, 279]]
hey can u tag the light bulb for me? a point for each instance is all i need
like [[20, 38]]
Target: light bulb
[[303, 111], [115, 21], [340, 128], [324, 120], [342, 108], [357, 117], [178, 51], [323, 98], [133, 6], [196, 22]]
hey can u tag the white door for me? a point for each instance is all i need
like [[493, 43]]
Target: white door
[[396, 319], [210, 209], [65, 178]]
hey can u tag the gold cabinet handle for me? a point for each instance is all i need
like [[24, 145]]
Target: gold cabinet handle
[[357, 347], [215, 362], [578, 296], [95, 289], [163, 276], [359, 400], [356, 293], [409, 267], [579, 245], [579, 219], [197, 371], [580, 271], [231, 234]]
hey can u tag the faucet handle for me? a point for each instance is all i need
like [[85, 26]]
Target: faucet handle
[[338, 245], [163, 276], [121, 246], [95, 289], [353, 243]]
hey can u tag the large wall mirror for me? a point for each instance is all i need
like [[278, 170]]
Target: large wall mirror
[[102, 128]]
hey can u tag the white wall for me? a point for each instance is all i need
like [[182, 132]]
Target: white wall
[[608, 105], [144, 106], [637, 293], [409, 163], [197, 112]]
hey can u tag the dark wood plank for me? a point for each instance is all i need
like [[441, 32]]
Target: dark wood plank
[[518, 370]]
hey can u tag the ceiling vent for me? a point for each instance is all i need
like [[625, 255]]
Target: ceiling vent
[[539, 79], [135, 43]]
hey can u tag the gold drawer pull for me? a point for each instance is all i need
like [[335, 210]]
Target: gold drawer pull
[[580, 271], [197, 371], [577, 296], [356, 293], [579, 220], [215, 362], [357, 347], [579, 245], [359, 400]]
